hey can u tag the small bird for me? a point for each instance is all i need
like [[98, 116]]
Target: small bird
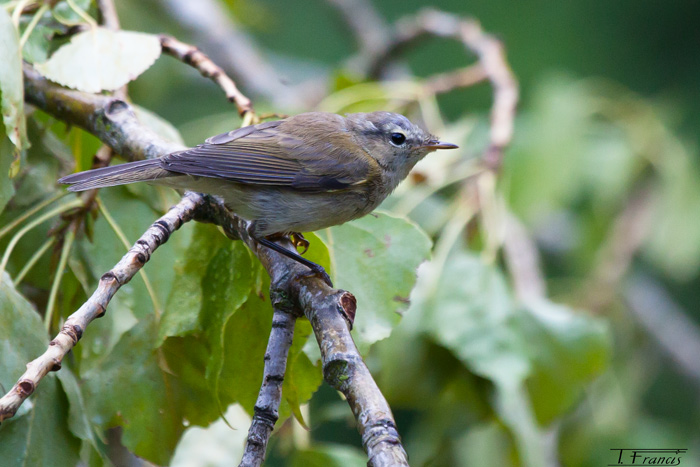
[[300, 174]]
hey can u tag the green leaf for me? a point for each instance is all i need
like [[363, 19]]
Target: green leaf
[[7, 189], [186, 359], [130, 389], [225, 287], [78, 421], [184, 305], [674, 238], [567, 349], [101, 60], [376, 258], [247, 333], [467, 307], [553, 142], [12, 87], [65, 14], [40, 428], [36, 49]]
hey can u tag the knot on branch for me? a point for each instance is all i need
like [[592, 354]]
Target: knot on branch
[[73, 331], [338, 370], [282, 300], [116, 108], [348, 307]]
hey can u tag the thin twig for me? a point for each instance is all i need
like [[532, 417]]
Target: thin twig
[[666, 322], [266, 410], [367, 26], [217, 32], [625, 238], [489, 50], [108, 14], [194, 57], [96, 306], [451, 80], [523, 262]]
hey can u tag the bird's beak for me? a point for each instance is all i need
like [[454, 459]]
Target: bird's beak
[[434, 144]]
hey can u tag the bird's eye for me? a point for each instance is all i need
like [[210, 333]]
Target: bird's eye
[[398, 139]]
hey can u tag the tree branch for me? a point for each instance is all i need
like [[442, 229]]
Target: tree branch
[[96, 306], [365, 23], [266, 410], [217, 33], [330, 311], [191, 55], [110, 119], [492, 60]]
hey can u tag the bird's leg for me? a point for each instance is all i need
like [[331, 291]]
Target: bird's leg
[[299, 241], [316, 269]]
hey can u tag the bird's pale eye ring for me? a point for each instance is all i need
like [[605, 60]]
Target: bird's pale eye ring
[[397, 139]]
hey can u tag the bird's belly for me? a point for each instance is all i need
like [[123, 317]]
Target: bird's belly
[[278, 210]]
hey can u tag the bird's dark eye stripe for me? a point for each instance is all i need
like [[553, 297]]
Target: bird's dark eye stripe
[[398, 138]]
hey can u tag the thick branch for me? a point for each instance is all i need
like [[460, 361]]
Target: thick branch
[[110, 119], [95, 307], [330, 311], [344, 369]]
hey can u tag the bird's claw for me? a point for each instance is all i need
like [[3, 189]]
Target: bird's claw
[[299, 241]]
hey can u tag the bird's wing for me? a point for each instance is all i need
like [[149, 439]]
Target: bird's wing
[[265, 154]]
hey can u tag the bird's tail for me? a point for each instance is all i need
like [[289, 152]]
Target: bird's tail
[[139, 171]]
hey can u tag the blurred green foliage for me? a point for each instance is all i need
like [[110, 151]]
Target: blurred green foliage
[[477, 373]]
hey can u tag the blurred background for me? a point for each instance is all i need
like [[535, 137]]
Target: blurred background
[[488, 368]]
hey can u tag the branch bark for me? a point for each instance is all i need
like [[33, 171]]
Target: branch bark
[[266, 410], [96, 306], [113, 121], [191, 55]]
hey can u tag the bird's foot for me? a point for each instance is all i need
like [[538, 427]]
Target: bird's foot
[[299, 241], [318, 271]]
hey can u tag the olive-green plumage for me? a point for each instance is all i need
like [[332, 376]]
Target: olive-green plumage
[[300, 174]]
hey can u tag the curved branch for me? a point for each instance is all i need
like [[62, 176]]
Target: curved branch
[[492, 60]]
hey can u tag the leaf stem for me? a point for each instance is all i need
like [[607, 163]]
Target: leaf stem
[[65, 251], [88, 19], [43, 218], [32, 24], [17, 12], [32, 261], [31, 212]]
